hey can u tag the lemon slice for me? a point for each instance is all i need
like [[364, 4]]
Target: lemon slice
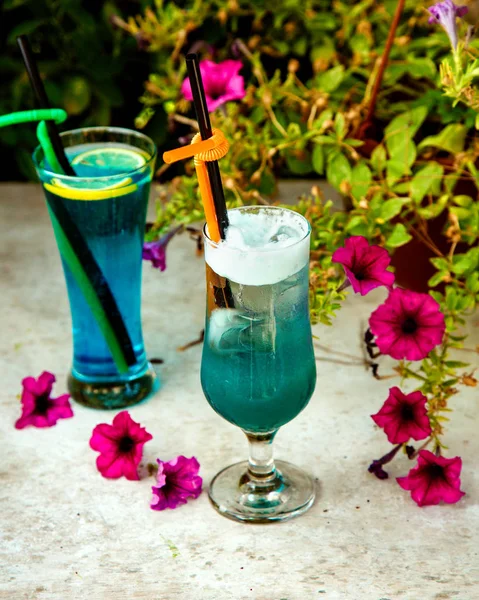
[[121, 160], [96, 184], [120, 188]]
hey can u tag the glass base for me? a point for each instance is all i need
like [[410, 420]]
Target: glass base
[[288, 494], [113, 394]]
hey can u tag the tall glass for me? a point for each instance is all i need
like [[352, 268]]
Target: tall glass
[[98, 219], [258, 368]]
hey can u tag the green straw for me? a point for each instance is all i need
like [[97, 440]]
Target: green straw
[[32, 116], [65, 247], [89, 293]]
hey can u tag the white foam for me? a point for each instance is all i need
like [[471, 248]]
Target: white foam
[[263, 246]]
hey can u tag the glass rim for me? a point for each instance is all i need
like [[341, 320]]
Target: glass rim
[[262, 250], [104, 178]]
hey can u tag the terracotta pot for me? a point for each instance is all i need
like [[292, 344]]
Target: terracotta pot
[[412, 261]]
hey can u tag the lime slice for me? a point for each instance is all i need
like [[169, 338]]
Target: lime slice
[[113, 158]]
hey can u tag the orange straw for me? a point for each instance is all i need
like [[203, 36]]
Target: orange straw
[[203, 151]]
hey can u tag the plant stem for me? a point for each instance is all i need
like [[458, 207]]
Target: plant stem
[[382, 68]]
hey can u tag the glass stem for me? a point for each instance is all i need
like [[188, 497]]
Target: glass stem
[[261, 468]]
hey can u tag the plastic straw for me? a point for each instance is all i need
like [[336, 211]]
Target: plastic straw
[[77, 254], [42, 100], [204, 124], [89, 293], [85, 268]]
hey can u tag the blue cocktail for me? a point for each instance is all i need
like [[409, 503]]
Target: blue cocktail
[[99, 218], [258, 367]]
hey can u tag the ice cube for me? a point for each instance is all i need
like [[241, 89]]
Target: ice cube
[[231, 330], [283, 234]]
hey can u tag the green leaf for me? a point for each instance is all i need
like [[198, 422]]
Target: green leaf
[[451, 139], [300, 46], [402, 188], [267, 184], [463, 200], [422, 68], [357, 226], [460, 213], [402, 149], [25, 28], [76, 95], [378, 159], [330, 80], [298, 161], [400, 132], [398, 237], [391, 208], [456, 364], [464, 263], [326, 115], [318, 159], [409, 121], [437, 278], [325, 140], [438, 297], [434, 209], [338, 169], [360, 181], [472, 282], [451, 298], [394, 171], [340, 125], [353, 143], [440, 263], [425, 179]]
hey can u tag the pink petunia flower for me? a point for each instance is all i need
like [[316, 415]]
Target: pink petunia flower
[[177, 481], [156, 251], [408, 325], [365, 265], [120, 446], [445, 13], [434, 479], [38, 407], [221, 82], [404, 416]]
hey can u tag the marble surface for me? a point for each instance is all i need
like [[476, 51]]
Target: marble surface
[[67, 533]]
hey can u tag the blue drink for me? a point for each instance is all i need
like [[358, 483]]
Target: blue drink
[[106, 203], [258, 369]]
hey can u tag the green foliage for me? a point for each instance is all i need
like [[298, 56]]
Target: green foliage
[[90, 69], [310, 68]]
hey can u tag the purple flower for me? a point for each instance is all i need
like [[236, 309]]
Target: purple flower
[[177, 480], [221, 82], [156, 251], [445, 14], [365, 265], [38, 407]]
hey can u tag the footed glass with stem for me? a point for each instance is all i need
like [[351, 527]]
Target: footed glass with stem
[[258, 368]]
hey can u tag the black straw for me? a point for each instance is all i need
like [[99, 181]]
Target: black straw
[[204, 124], [42, 101], [67, 223]]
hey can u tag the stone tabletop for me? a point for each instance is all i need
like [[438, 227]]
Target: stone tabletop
[[67, 533]]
